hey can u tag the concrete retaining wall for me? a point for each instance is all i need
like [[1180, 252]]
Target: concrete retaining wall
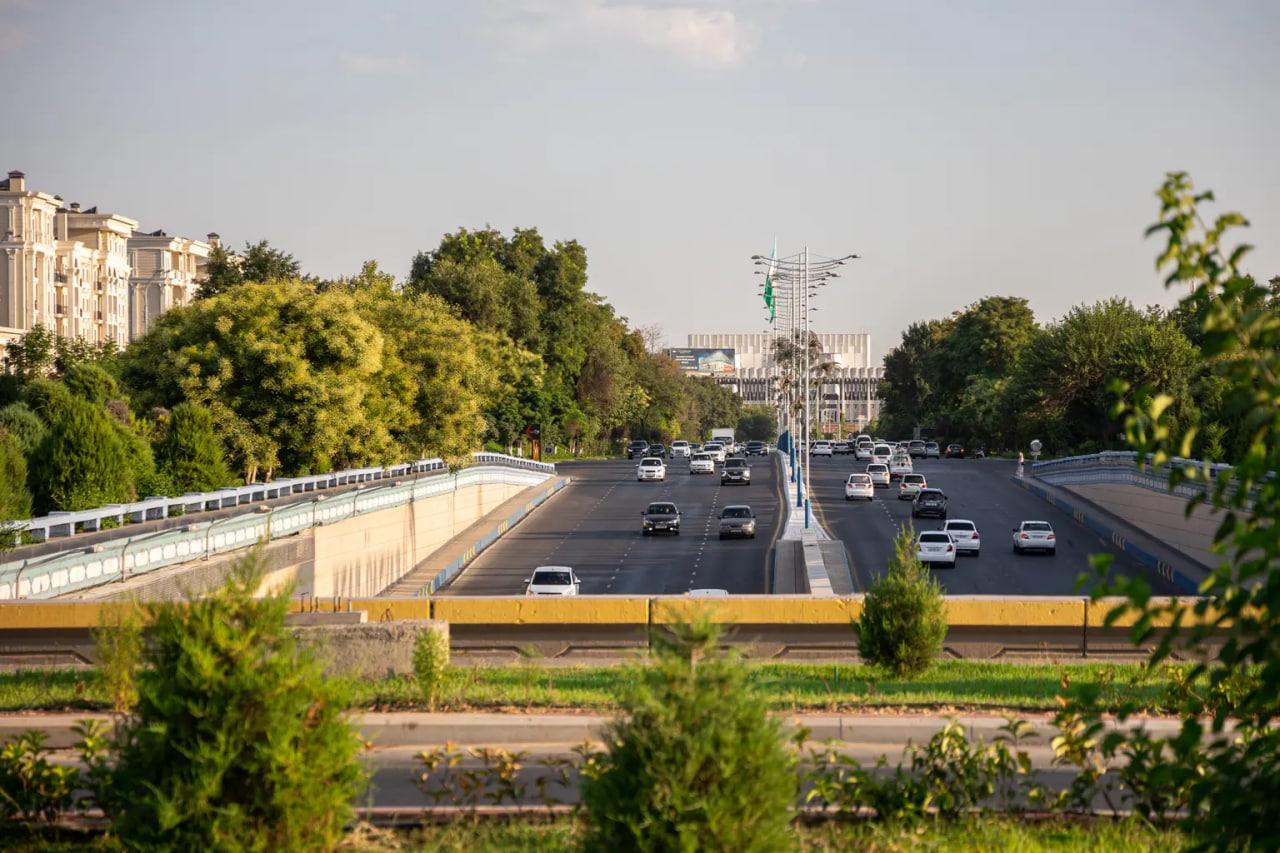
[[1161, 515], [369, 650]]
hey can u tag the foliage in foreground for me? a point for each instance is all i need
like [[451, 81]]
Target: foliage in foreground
[[904, 620], [694, 762]]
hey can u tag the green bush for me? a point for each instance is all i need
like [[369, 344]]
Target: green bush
[[430, 664], [190, 452], [24, 425], [15, 500], [81, 463], [237, 740], [90, 382], [694, 762], [903, 620], [119, 641], [31, 788]]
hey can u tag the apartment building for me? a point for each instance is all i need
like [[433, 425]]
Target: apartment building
[[167, 271], [86, 274]]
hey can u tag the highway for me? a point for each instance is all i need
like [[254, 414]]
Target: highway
[[979, 490], [594, 526]]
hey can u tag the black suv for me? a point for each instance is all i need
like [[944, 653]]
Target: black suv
[[736, 470], [660, 518], [929, 502], [637, 449], [756, 448], [658, 450]]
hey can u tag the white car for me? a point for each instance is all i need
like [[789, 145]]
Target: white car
[[900, 466], [822, 448], [1034, 536], [651, 468], [879, 474], [552, 580], [702, 463], [681, 449], [910, 486], [859, 486], [881, 453], [935, 546], [715, 449], [862, 452], [965, 534]]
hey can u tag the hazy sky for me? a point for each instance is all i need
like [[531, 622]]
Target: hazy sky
[[962, 149]]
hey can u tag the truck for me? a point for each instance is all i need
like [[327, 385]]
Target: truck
[[725, 437]]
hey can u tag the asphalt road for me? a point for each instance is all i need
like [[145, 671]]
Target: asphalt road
[[594, 526], [979, 490]]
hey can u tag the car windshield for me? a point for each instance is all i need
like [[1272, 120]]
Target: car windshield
[[714, 445], [917, 444], [701, 457], [859, 478], [960, 525], [913, 478], [930, 494], [679, 444], [662, 509], [736, 512], [735, 463], [755, 444], [556, 577], [882, 450], [639, 444], [933, 445], [1037, 526], [651, 463], [934, 537], [876, 469]]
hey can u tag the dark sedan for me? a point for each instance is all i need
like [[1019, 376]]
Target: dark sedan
[[929, 502], [660, 517], [756, 448], [955, 451], [658, 450], [637, 450]]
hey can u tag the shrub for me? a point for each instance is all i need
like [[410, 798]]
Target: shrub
[[430, 664], [24, 425], [81, 462], [903, 620], [119, 639], [15, 501], [190, 451], [237, 741], [694, 762], [31, 788], [90, 382]]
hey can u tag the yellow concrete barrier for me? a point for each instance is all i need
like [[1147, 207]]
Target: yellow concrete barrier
[[51, 615], [1007, 612], [758, 609], [543, 610], [1098, 611]]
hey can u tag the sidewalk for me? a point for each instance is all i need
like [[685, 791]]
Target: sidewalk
[[826, 561]]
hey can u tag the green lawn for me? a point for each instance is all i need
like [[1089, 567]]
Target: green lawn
[[976, 833], [949, 685]]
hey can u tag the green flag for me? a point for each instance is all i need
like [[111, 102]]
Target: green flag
[[768, 284]]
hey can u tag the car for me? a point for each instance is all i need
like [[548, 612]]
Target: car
[[955, 451], [881, 453], [862, 452], [900, 466], [965, 534], [660, 517], [929, 502], [680, 449], [935, 546], [1034, 536], [757, 448], [821, 448], [552, 580], [716, 449], [737, 520], [637, 449], [879, 474], [932, 451], [651, 468], [702, 463], [859, 486], [657, 450], [910, 486], [736, 470], [694, 447], [978, 452], [844, 448], [915, 449]]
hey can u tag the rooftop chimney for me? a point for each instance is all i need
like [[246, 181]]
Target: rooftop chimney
[[75, 207], [17, 181], [214, 238]]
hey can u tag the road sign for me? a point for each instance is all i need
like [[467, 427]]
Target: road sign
[[1036, 447]]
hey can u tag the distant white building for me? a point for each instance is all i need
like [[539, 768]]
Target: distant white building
[[848, 396], [166, 272]]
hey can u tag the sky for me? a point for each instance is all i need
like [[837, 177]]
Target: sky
[[961, 149]]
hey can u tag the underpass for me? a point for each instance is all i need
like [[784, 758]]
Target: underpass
[[979, 490], [594, 526]]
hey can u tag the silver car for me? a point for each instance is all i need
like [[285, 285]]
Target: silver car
[[737, 520]]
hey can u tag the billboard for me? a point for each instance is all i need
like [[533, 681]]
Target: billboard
[[707, 362]]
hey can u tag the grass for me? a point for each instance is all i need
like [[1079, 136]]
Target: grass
[[948, 685], [975, 833]]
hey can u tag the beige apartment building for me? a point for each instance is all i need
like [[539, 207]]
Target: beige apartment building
[[85, 274]]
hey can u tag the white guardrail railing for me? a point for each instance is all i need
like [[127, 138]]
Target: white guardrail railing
[[1117, 466], [49, 575]]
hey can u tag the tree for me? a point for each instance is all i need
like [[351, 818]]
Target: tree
[[32, 355], [82, 463], [90, 382], [263, 263], [222, 272], [758, 423], [904, 619], [23, 425], [15, 500], [190, 452], [908, 386], [237, 741]]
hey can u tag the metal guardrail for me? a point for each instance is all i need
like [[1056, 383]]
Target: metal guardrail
[[486, 458], [1114, 466], [50, 575]]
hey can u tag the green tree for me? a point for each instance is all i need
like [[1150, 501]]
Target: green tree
[[908, 386], [190, 452], [15, 500], [23, 425], [236, 740], [261, 262], [82, 463], [758, 423], [222, 272], [32, 355], [90, 382], [903, 621]]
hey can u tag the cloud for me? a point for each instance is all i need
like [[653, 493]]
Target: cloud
[[375, 64], [701, 35]]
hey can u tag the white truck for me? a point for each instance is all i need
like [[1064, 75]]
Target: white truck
[[725, 437]]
